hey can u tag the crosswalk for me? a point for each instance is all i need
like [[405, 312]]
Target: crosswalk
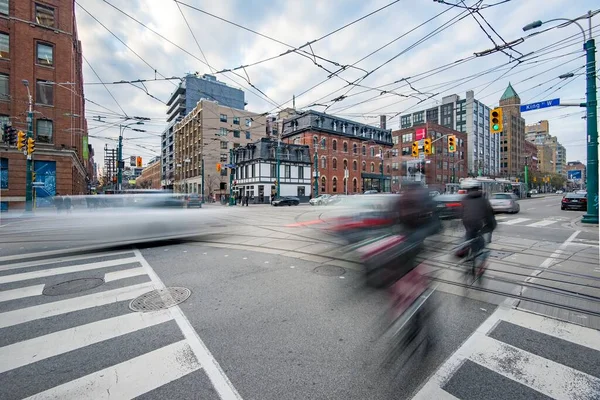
[[90, 344], [521, 221], [519, 355]]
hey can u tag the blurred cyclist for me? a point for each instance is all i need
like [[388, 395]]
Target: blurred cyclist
[[478, 215], [417, 209]]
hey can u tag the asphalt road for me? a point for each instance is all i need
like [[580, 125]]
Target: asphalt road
[[277, 311]]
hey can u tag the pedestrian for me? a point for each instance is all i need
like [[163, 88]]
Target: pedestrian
[[67, 204], [58, 203], [247, 198]]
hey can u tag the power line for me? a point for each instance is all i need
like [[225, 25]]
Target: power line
[[194, 36], [105, 87]]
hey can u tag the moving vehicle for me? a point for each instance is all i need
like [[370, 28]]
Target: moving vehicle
[[286, 201], [193, 201], [504, 202], [319, 200], [371, 192], [574, 201], [449, 206]]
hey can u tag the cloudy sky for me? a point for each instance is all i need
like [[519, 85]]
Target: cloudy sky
[[416, 50]]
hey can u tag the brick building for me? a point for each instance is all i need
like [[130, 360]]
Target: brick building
[[440, 167], [512, 139], [339, 145], [39, 44], [531, 157], [151, 176]]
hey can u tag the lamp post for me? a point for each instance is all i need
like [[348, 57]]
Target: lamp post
[[589, 46], [29, 163], [120, 162]]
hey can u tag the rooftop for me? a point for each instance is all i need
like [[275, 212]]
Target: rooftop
[[509, 93]]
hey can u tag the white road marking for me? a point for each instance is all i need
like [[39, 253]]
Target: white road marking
[[23, 315], [220, 381], [541, 374], [22, 292], [515, 221], [65, 270], [126, 273], [501, 217], [543, 222], [131, 378], [60, 259], [29, 351]]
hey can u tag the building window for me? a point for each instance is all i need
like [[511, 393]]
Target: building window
[[4, 45], [223, 145], [315, 141], [364, 150], [345, 148], [372, 152], [3, 173], [273, 170], [248, 135], [323, 162], [223, 157], [395, 140], [407, 137], [44, 15], [388, 169], [45, 54], [334, 163], [4, 88], [323, 143], [236, 134], [236, 120], [287, 171], [223, 132], [4, 7], [334, 145], [300, 172], [354, 185], [4, 120], [372, 167], [355, 148], [345, 164], [364, 166], [44, 131], [354, 165], [44, 93], [248, 122], [223, 118], [323, 184], [334, 185], [394, 153]]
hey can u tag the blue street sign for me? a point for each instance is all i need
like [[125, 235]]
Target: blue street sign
[[541, 104], [229, 165]]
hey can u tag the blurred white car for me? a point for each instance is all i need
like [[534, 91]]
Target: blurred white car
[[319, 200]]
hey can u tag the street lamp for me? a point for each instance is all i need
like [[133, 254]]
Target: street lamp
[[29, 163], [120, 151], [591, 216]]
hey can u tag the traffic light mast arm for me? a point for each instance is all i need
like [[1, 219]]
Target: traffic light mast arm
[[440, 138]]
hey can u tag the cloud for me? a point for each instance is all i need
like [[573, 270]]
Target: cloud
[[226, 46]]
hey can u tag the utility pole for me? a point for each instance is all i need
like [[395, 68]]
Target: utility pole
[[316, 174], [29, 164], [278, 172], [231, 172], [526, 175]]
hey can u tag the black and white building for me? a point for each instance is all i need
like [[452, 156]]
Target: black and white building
[[256, 170]]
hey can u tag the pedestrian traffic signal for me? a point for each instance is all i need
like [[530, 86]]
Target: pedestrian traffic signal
[[20, 140], [451, 143], [415, 149], [218, 167], [496, 120], [427, 146], [12, 136], [30, 146], [33, 176]]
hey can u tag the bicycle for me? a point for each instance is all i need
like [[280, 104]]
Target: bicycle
[[473, 252]]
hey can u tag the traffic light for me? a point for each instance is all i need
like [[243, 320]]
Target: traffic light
[[5, 131], [20, 140], [218, 167], [275, 182], [12, 136], [451, 144], [496, 120], [33, 176], [415, 149], [30, 146], [427, 146]]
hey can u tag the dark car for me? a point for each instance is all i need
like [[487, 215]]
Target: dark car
[[286, 201], [193, 201], [574, 201], [449, 206]]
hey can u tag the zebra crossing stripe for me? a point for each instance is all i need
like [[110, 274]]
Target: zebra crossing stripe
[[541, 223], [515, 221]]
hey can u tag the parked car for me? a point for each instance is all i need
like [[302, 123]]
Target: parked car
[[504, 202], [286, 201], [449, 206], [574, 201], [319, 200], [559, 192], [193, 201], [371, 192]]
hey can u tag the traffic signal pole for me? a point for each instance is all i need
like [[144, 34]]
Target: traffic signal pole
[[591, 217], [29, 166]]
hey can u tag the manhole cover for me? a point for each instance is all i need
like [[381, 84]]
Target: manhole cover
[[499, 254], [329, 270], [73, 286], [160, 299]]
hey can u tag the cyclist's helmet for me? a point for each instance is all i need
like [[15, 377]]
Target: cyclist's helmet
[[470, 184]]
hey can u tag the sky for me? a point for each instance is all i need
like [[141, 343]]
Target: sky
[[403, 58]]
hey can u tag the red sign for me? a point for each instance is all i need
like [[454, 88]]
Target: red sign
[[420, 133]]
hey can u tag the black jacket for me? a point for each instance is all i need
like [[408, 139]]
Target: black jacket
[[478, 213]]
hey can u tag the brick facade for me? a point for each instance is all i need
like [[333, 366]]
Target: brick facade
[[27, 28], [440, 167], [150, 177]]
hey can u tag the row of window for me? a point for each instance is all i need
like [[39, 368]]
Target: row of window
[[236, 133], [334, 185], [44, 90], [44, 52], [44, 128], [236, 120], [44, 15]]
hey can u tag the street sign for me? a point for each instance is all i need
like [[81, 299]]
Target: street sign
[[574, 174], [541, 104], [229, 165], [420, 133]]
